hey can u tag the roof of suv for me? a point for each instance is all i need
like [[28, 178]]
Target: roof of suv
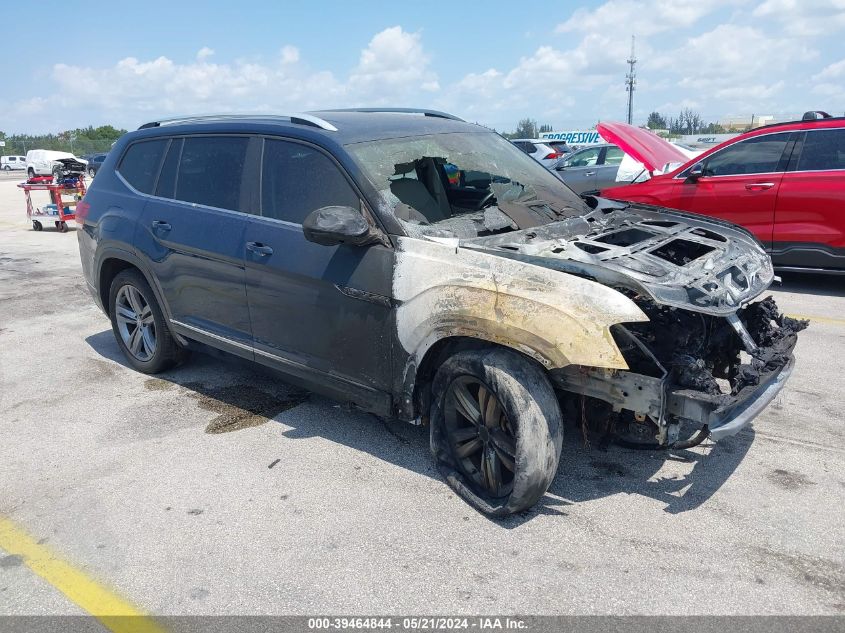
[[342, 126]]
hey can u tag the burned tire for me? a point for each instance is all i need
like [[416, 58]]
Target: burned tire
[[496, 429], [139, 325]]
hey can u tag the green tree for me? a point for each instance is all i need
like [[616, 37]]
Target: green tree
[[656, 121], [527, 128]]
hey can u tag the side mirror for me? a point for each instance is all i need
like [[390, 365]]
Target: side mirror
[[695, 172], [330, 226]]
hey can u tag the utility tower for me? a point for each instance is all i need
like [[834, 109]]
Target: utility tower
[[631, 81]]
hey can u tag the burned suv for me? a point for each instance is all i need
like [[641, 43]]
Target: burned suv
[[425, 269]]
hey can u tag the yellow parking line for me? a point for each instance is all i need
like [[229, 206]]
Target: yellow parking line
[[817, 319], [113, 612]]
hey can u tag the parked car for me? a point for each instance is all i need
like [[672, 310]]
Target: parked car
[[9, 163], [95, 161], [560, 147], [424, 269], [590, 169], [784, 182], [45, 162], [540, 150]]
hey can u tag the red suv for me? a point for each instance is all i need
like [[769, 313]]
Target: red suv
[[784, 182]]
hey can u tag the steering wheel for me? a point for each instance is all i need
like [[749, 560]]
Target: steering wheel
[[484, 201]]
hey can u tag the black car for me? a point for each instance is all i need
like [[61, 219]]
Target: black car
[[95, 161], [425, 269]]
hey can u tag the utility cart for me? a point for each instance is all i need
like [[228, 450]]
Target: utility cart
[[62, 209]]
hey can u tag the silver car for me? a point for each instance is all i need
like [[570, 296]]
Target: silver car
[[590, 169]]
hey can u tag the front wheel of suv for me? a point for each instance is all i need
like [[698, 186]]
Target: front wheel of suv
[[139, 326], [496, 429]]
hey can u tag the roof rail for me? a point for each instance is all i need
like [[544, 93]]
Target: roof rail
[[299, 118], [432, 113]]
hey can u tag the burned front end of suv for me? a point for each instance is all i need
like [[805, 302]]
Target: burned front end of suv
[[711, 355]]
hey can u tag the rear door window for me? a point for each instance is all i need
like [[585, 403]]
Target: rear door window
[[823, 150], [613, 156], [139, 165], [585, 158], [758, 155], [211, 171], [166, 187], [297, 179]]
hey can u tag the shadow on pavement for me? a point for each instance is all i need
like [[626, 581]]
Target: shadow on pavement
[[244, 394], [822, 285]]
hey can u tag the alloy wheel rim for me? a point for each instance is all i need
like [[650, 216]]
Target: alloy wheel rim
[[135, 323], [480, 436]]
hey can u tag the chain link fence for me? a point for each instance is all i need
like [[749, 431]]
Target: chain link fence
[[78, 147]]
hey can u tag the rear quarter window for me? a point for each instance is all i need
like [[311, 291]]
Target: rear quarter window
[[139, 165], [823, 150]]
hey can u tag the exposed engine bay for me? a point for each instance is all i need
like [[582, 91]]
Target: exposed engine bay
[[68, 168], [708, 359], [691, 375], [705, 351]]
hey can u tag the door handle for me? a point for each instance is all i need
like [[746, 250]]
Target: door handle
[[259, 249], [759, 186], [589, 173], [161, 225]]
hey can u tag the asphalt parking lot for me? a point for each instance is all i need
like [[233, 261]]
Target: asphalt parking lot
[[217, 489]]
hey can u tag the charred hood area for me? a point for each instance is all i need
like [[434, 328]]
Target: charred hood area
[[675, 258]]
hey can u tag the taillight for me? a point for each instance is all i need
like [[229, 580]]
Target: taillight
[[82, 209], [552, 155]]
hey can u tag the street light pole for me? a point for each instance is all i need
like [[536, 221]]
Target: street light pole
[[631, 82]]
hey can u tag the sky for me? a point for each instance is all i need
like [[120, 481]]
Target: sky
[[491, 62]]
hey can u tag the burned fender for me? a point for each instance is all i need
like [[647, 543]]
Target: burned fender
[[556, 318]]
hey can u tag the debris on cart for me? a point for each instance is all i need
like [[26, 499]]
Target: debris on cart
[[64, 194]]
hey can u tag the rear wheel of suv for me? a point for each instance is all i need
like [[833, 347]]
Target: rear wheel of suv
[[139, 326], [30, 172], [496, 429]]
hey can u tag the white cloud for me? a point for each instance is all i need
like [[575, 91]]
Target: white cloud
[[392, 66], [804, 18], [832, 71], [393, 69], [290, 54], [718, 57], [204, 53], [619, 17], [733, 68]]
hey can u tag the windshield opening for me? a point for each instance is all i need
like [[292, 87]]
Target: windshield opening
[[464, 185]]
